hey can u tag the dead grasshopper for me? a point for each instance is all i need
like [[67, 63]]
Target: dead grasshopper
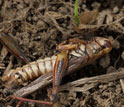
[[87, 51]]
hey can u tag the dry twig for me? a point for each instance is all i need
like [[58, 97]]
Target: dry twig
[[97, 79], [122, 84]]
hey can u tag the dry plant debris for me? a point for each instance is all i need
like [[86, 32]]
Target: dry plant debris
[[40, 25]]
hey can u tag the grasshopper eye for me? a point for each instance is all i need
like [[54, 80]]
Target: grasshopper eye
[[103, 46]]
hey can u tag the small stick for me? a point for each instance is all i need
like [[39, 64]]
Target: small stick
[[96, 79], [122, 84]]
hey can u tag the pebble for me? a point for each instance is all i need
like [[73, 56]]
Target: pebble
[[63, 10], [86, 92], [29, 18], [27, 1], [105, 87], [122, 55], [40, 24], [96, 5], [118, 86], [20, 6], [105, 61], [100, 86], [116, 44], [118, 90], [34, 53], [115, 10], [83, 6], [110, 84], [80, 2], [8, 106], [105, 93], [54, 8], [111, 69], [34, 18], [72, 94]]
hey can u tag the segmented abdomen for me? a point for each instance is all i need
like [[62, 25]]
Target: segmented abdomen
[[37, 68], [30, 71]]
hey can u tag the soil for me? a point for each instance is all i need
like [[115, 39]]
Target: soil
[[40, 25]]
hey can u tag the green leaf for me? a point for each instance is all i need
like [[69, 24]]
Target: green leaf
[[76, 13]]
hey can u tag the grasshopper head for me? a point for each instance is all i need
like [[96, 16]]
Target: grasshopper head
[[11, 80], [105, 44]]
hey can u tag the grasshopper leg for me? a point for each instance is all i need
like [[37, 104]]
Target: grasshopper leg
[[30, 100], [60, 68]]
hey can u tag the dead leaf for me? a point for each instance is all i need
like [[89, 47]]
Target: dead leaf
[[3, 54], [88, 17]]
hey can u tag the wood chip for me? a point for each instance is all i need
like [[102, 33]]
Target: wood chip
[[122, 84]]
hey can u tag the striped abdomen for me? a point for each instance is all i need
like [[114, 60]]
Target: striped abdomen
[[30, 71]]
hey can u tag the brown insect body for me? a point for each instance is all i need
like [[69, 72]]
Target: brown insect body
[[88, 52], [29, 71]]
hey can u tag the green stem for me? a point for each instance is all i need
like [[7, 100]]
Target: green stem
[[76, 13]]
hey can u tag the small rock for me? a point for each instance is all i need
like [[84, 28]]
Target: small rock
[[100, 101], [100, 86], [105, 87], [29, 18], [53, 34], [84, 6], [34, 54], [115, 10], [111, 69], [118, 86], [63, 10], [122, 55], [73, 94], [115, 43], [105, 61], [118, 90], [8, 106], [34, 18], [80, 2], [40, 24], [110, 84], [96, 5], [27, 1], [20, 6], [44, 36], [86, 92], [105, 93], [54, 8]]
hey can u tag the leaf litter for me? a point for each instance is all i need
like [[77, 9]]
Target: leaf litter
[[40, 25]]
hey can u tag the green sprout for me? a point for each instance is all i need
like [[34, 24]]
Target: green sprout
[[76, 13]]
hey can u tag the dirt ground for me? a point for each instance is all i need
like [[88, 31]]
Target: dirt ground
[[40, 25]]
